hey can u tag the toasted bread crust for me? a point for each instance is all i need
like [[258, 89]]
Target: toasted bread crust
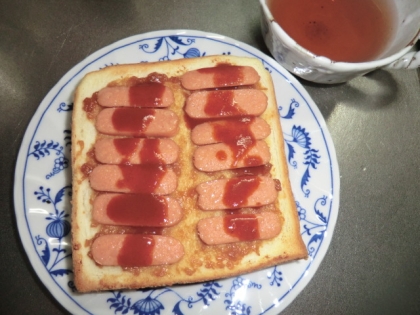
[[200, 262]]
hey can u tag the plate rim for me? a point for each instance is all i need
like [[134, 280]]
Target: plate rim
[[62, 297]]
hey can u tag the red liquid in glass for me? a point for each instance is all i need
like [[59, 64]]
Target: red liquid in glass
[[342, 30]]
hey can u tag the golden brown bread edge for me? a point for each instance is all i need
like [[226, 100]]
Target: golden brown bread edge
[[201, 262]]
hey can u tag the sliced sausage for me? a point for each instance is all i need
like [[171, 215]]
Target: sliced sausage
[[223, 156], [226, 103], [220, 76], [228, 130], [136, 210], [136, 151], [141, 95], [137, 122], [157, 179], [238, 227], [237, 192], [136, 250]]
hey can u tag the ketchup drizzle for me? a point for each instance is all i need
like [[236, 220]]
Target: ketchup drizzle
[[137, 250], [233, 129], [238, 190], [240, 150], [224, 74], [146, 94], [221, 155], [253, 160], [138, 210], [126, 147], [149, 153], [141, 178], [133, 120], [237, 134], [242, 226], [90, 105], [221, 103], [192, 122]]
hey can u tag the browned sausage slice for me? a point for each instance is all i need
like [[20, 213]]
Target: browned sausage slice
[[136, 250], [230, 130], [137, 122], [136, 151], [226, 103], [157, 179], [223, 156], [219, 76], [140, 95], [237, 192], [238, 227], [136, 210]]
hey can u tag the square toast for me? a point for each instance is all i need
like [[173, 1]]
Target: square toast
[[200, 261]]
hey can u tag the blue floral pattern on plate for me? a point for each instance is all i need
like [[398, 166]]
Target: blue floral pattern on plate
[[43, 190], [57, 228]]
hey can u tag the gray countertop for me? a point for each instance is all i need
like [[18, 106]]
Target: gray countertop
[[371, 266]]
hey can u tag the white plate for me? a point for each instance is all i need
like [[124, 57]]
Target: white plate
[[43, 179]]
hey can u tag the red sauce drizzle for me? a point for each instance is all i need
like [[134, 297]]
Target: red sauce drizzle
[[126, 147], [133, 120], [233, 129], [240, 149], [253, 160], [237, 134], [149, 153], [86, 169], [238, 190], [192, 122], [225, 75], [138, 210], [242, 226], [220, 103], [221, 155], [146, 94], [89, 103], [141, 178], [137, 250]]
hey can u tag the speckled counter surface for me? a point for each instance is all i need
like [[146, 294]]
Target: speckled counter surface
[[372, 263]]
